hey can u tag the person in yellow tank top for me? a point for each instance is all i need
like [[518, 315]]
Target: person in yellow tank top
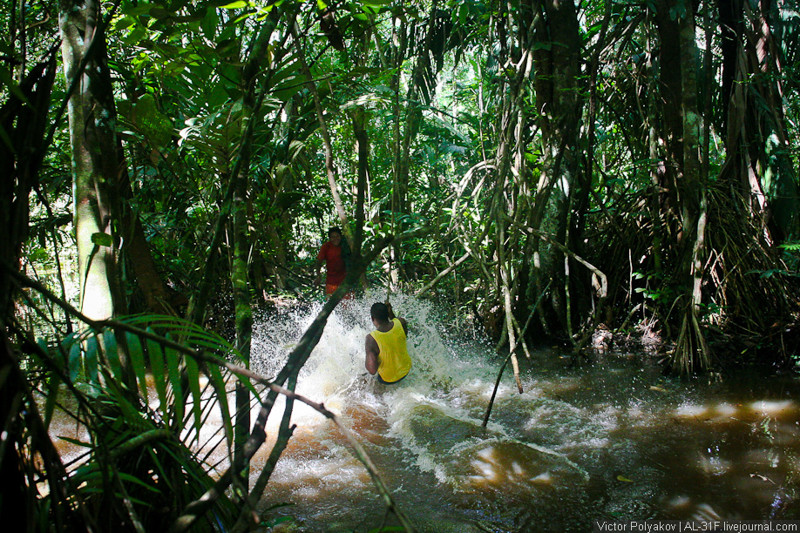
[[387, 351]]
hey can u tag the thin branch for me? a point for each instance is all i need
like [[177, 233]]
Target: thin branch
[[564, 249], [443, 273], [326, 138]]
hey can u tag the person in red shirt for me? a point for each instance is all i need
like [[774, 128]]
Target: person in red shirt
[[333, 254]]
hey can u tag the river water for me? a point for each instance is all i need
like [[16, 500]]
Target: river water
[[607, 439]]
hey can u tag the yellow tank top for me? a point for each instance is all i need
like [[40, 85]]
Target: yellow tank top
[[394, 361]]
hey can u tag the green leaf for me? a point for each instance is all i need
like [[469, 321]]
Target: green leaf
[[272, 522], [159, 12], [162, 474], [7, 80], [173, 369], [124, 22], [209, 24], [193, 375], [76, 442], [112, 353], [90, 359], [74, 362], [249, 384], [52, 395], [151, 122], [135, 480], [136, 353], [131, 414], [7, 140], [159, 375], [42, 344], [102, 239], [70, 340], [218, 382], [135, 36], [239, 4]]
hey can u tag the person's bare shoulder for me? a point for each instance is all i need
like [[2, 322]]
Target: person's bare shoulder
[[370, 340]]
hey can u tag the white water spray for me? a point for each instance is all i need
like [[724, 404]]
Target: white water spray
[[335, 372], [434, 414]]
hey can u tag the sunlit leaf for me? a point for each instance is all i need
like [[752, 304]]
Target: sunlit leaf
[[124, 22], [102, 239], [218, 382], [136, 353], [153, 124], [157, 367]]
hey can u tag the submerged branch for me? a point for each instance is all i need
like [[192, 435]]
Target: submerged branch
[[494, 392]]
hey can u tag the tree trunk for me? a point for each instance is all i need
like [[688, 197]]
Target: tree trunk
[[683, 132], [95, 166], [251, 105], [556, 50], [758, 158], [138, 255]]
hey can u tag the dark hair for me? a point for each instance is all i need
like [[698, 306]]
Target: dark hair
[[380, 312], [334, 230]]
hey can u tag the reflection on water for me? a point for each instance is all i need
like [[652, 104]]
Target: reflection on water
[[614, 439], [610, 440]]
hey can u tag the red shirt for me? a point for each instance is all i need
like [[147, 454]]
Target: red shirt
[[334, 263]]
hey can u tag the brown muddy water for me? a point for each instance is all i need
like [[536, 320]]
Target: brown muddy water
[[610, 439]]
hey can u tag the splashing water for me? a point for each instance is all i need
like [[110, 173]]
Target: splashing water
[[611, 440]]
